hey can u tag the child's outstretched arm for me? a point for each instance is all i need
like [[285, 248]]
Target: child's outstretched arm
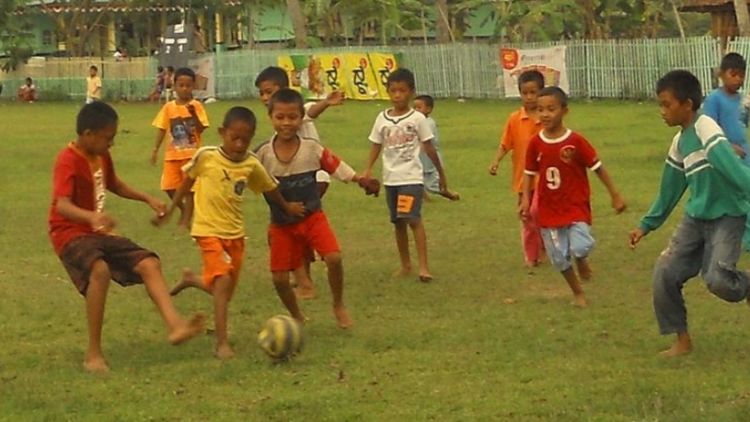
[[177, 198], [333, 99], [618, 204], [294, 209], [124, 190], [372, 158], [157, 144], [431, 152], [672, 186]]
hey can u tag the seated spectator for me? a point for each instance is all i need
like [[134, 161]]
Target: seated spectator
[[27, 92]]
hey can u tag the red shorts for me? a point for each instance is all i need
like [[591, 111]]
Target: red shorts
[[172, 175], [220, 257], [289, 242]]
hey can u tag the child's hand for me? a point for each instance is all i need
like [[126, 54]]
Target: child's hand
[[102, 223], [335, 98], [160, 218], [635, 237], [618, 203], [154, 156], [190, 109], [370, 185], [739, 151], [295, 209], [493, 169], [442, 186], [523, 208], [157, 205]]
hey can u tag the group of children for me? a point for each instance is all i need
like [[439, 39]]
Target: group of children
[[206, 183], [293, 168]]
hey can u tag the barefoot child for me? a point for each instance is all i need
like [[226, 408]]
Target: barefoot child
[[521, 126], [401, 133], [270, 80], [293, 161], [82, 232], [224, 173], [561, 158], [708, 239], [425, 104], [181, 121]]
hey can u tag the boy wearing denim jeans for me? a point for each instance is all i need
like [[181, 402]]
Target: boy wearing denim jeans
[[708, 239]]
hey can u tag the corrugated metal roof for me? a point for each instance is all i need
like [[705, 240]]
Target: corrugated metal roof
[[707, 6]]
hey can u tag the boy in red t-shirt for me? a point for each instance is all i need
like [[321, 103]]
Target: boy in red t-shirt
[[561, 157], [82, 232]]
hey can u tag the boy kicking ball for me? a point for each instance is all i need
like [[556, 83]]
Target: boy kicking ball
[[708, 240]]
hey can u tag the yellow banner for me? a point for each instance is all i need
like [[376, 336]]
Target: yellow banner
[[382, 66], [361, 83]]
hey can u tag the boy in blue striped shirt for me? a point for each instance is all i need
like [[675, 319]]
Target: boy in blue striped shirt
[[708, 239]]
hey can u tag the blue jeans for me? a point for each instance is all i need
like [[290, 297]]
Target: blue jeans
[[711, 247]]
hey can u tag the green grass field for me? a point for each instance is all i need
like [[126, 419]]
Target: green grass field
[[485, 341]]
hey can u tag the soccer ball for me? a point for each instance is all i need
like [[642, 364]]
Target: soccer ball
[[281, 337]]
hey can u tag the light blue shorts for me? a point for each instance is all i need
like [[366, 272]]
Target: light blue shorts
[[564, 243]]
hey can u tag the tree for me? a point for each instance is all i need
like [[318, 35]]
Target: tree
[[15, 37], [442, 22], [743, 18], [298, 23]]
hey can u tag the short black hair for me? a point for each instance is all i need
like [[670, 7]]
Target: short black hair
[[286, 96], [274, 74], [184, 71], [683, 85], [242, 114], [531, 76], [28, 79], [426, 99], [93, 67], [95, 116], [160, 68], [402, 75], [554, 91], [170, 69], [733, 61]]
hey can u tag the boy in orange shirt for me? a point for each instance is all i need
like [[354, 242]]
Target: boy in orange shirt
[[181, 121], [522, 125]]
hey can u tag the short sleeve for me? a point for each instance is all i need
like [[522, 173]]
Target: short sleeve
[[196, 165], [161, 121], [63, 177], [334, 166], [587, 154], [259, 181], [507, 138], [307, 117], [375, 134], [424, 131], [711, 107], [532, 157]]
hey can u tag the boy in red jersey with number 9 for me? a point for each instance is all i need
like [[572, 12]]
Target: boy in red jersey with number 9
[[561, 157]]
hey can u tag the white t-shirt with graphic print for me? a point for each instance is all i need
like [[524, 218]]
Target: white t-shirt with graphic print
[[401, 138]]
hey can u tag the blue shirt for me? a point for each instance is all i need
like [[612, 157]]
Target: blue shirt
[[727, 111]]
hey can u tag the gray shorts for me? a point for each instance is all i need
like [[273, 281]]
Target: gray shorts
[[405, 201]]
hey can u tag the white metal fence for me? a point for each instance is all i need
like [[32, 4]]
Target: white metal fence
[[596, 68]]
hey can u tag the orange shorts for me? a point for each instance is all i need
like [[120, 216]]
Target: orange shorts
[[289, 242], [172, 175], [221, 257]]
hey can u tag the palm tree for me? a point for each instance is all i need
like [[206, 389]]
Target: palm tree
[[298, 23]]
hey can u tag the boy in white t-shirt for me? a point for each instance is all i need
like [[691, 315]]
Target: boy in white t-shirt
[[269, 81], [400, 133]]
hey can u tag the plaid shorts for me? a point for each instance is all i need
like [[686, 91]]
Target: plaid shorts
[[121, 254]]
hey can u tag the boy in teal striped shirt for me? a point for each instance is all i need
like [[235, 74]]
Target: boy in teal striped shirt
[[708, 239]]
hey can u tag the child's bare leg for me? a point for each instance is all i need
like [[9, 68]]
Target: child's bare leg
[[303, 280], [336, 281], [420, 239], [683, 345], [579, 298], [584, 270], [286, 294], [96, 298], [189, 279], [402, 242], [179, 329], [222, 288]]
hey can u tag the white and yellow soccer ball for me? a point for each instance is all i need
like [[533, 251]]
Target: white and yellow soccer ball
[[281, 337]]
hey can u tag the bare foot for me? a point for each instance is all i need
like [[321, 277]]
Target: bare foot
[[342, 317], [584, 270], [95, 365], [188, 280], [404, 272], [305, 292], [301, 318], [425, 278], [224, 352], [187, 329], [682, 346], [579, 301], [453, 196]]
